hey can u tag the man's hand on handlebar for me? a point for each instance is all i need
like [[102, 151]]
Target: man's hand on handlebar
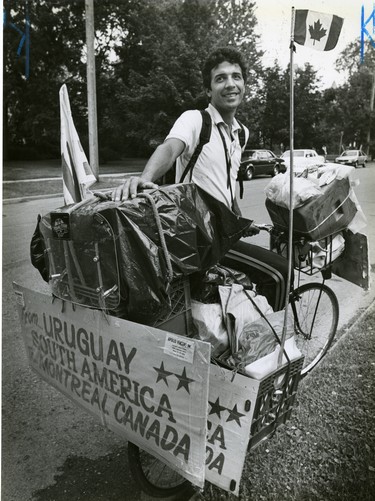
[[130, 188], [251, 231]]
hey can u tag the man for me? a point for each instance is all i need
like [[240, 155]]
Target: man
[[216, 169]]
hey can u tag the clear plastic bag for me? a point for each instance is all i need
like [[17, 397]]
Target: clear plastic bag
[[258, 338], [267, 364], [240, 312], [278, 191], [210, 327]]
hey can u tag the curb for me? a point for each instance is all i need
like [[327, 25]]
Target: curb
[[59, 178], [9, 201], [30, 198], [345, 330]]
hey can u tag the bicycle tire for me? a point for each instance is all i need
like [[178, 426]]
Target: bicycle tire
[[316, 315], [155, 478]]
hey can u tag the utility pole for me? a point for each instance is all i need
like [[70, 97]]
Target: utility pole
[[372, 98], [91, 89], [340, 146]]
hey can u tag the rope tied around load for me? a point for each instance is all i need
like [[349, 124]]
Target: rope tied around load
[[168, 262]]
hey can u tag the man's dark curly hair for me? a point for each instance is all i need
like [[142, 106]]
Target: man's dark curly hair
[[218, 56]]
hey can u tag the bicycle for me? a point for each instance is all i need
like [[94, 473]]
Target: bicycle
[[315, 311], [314, 305]]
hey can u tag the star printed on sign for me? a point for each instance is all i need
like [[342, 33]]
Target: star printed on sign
[[183, 380], [234, 415], [162, 373], [217, 409]]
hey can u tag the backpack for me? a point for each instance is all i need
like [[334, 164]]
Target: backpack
[[204, 137]]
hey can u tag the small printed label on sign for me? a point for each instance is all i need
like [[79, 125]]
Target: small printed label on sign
[[181, 348], [19, 298]]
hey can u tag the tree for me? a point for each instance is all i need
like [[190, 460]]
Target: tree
[[275, 108], [159, 61], [332, 119], [31, 105], [307, 108], [274, 120], [358, 94], [148, 60]]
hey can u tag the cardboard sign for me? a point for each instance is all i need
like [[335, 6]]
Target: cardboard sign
[[231, 404], [148, 385]]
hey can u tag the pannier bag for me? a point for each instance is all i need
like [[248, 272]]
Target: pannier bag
[[322, 215], [122, 256]]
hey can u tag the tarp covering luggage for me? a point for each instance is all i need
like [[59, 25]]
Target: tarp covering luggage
[[122, 256], [326, 211], [320, 216]]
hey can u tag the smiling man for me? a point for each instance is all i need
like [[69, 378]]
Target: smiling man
[[215, 168]]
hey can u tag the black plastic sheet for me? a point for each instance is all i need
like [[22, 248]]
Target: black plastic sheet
[[124, 238]]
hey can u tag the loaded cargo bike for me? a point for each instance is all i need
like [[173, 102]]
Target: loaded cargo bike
[[117, 334]]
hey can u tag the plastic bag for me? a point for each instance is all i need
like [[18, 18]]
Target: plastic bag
[[267, 364], [208, 320], [239, 312], [258, 338], [331, 171], [279, 188], [38, 252], [323, 256]]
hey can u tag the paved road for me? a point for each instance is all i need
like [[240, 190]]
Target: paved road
[[52, 449]]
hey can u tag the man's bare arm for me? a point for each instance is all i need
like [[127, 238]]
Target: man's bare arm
[[159, 163]]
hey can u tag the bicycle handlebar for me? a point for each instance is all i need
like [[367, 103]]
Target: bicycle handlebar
[[264, 227]]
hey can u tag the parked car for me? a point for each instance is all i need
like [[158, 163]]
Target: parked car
[[258, 162], [352, 157], [302, 159]]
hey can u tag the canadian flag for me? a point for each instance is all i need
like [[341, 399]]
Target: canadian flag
[[317, 30], [77, 173]]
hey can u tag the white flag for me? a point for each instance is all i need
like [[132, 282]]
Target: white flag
[[317, 30], [77, 173]]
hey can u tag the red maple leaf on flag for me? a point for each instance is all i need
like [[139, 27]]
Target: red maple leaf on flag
[[317, 31]]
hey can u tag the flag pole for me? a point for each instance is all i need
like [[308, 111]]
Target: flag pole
[[291, 182]]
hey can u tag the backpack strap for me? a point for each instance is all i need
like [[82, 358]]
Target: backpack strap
[[241, 135], [242, 139], [204, 137]]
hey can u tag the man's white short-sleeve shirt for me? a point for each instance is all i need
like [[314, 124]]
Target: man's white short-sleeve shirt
[[210, 170]]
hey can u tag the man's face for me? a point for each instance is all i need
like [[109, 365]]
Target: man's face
[[227, 87]]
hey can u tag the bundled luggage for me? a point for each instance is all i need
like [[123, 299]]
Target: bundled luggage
[[328, 213], [328, 223], [123, 257]]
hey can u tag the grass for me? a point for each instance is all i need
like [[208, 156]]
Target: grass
[[327, 450]]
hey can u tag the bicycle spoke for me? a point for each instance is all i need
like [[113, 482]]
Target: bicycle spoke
[[315, 309]]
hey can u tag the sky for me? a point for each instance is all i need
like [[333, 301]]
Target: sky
[[274, 28]]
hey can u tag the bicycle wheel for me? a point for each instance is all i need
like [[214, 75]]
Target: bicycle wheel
[[316, 314], [155, 478]]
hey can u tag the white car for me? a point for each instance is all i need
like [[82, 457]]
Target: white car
[[352, 157], [302, 159]]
